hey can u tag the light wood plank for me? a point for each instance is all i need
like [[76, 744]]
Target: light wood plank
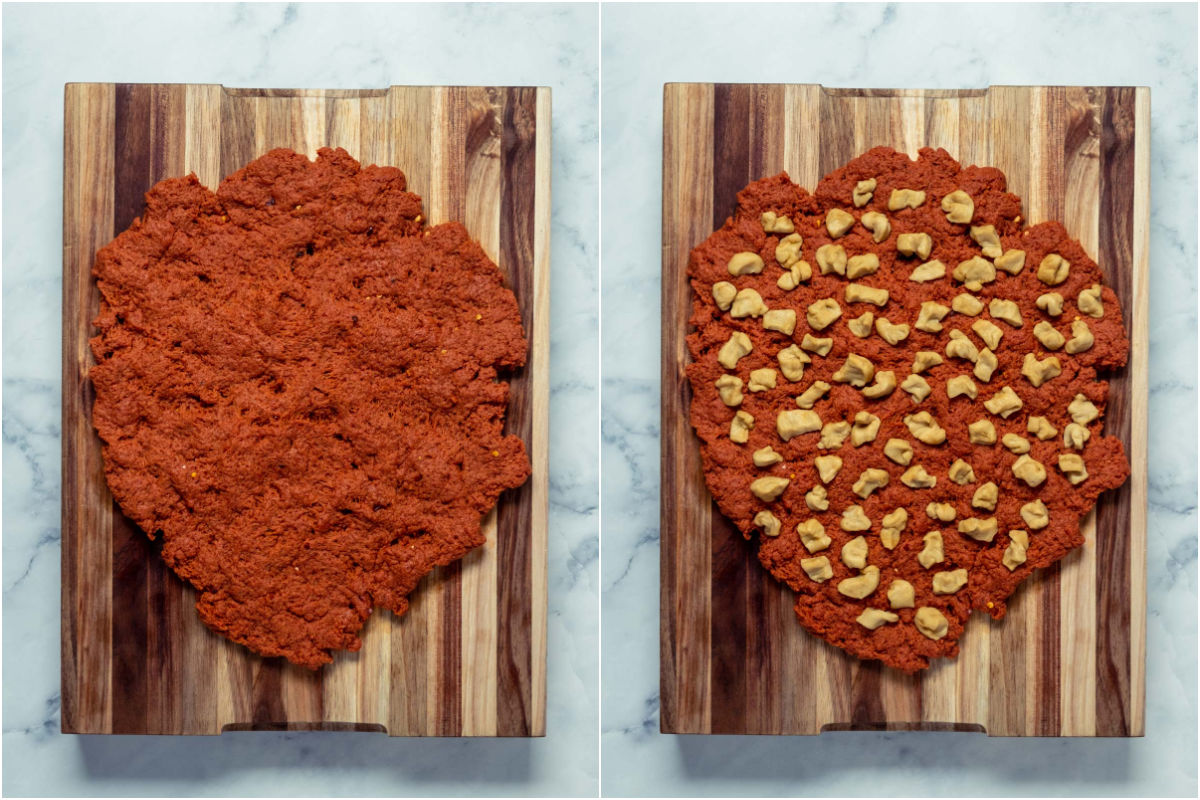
[[203, 114], [939, 694], [540, 433], [1077, 632], [479, 636], [942, 128], [801, 149], [1139, 365], [414, 636], [974, 667], [236, 124], [350, 686], [1034, 202], [479, 575]]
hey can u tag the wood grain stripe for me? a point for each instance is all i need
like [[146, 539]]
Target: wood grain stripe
[[133, 570], [1112, 567], [268, 120], [450, 663], [731, 155], [938, 700], [239, 696], [866, 684], [517, 152], [876, 121], [893, 699], [838, 136], [343, 126], [734, 565], [1043, 710], [481, 154], [975, 648], [1012, 652], [539, 436], [835, 673], [88, 202], [351, 688], [1077, 633], [170, 601], [131, 135], [411, 663], [764, 611], [974, 130], [1139, 371], [801, 147], [237, 132], [942, 121], [686, 598], [199, 679], [446, 147], [300, 125], [1007, 669], [311, 121]]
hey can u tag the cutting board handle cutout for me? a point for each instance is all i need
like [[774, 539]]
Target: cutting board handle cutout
[[235, 91]]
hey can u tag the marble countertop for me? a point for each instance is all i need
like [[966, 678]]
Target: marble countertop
[[289, 46], [643, 47], [890, 46]]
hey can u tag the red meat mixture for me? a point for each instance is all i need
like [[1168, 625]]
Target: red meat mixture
[[296, 389], [895, 388]]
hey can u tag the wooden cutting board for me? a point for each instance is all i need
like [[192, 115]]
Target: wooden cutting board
[[468, 659], [1069, 657]]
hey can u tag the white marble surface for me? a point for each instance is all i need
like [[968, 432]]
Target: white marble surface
[[887, 46], [289, 46]]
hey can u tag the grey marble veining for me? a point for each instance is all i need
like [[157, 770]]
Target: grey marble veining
[[893, 46], [290, 46]]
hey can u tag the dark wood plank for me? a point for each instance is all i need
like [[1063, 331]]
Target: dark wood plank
[[449, 675], [1113, 579], [170, 602], [448, 202], [237, 132], [734, 564], [518, 150], [837, 131], [133, 570], [867, 710]]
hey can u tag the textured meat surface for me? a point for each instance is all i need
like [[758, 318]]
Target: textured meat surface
[[297, 391], [729, 469]]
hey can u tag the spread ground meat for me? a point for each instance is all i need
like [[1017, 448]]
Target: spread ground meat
[[897, 500], [296, 388]]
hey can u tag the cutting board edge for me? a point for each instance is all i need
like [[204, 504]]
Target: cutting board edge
[[282, 92], [79, 721], [1139, 333], [910, 92]]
